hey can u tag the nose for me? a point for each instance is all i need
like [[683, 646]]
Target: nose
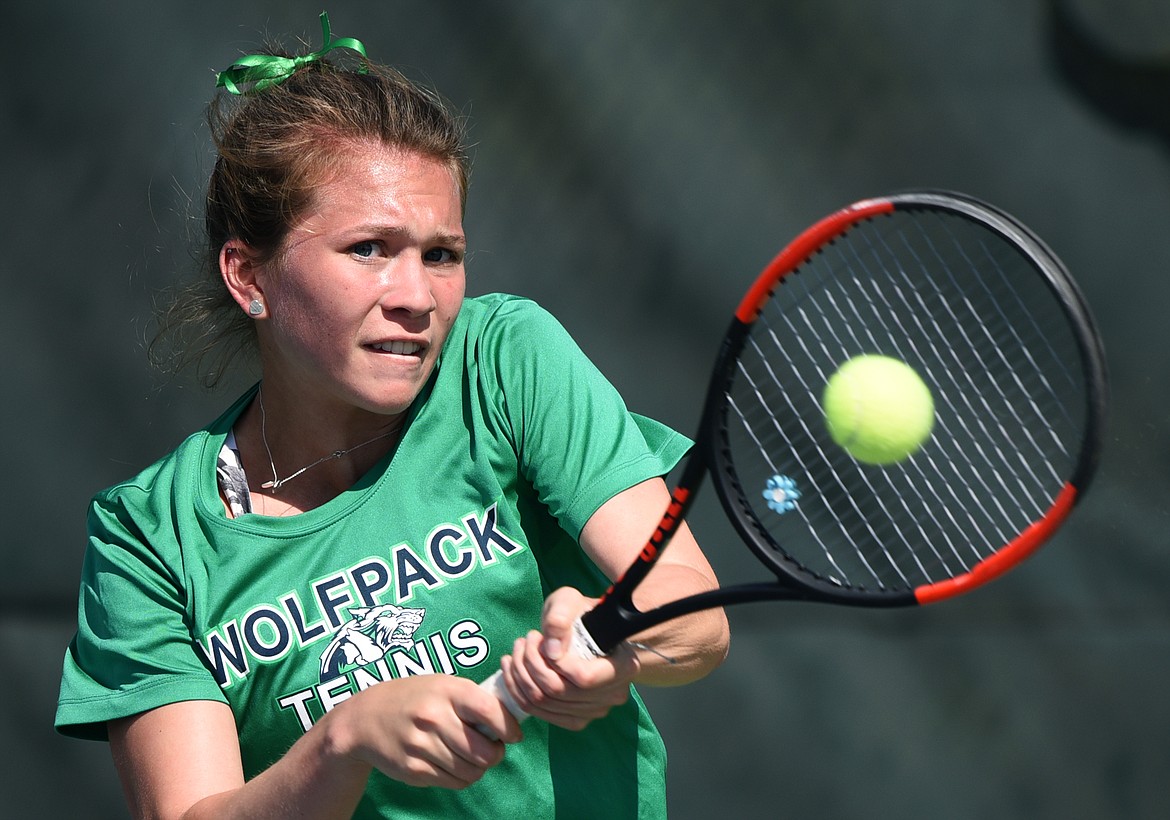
[[408, 288]]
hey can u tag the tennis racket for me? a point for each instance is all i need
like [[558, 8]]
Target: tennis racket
[[994, 324]]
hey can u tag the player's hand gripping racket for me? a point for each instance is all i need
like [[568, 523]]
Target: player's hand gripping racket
[[989, 318]]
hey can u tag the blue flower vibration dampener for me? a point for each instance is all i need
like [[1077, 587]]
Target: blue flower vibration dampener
[[781, 493]]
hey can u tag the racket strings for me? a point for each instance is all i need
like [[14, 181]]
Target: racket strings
[[772, 422], [826, 552], [980, 405], [967, 310], [849, 323], [878, 535], [995, 266], [877, 538], [1019, 401], [903, 342]]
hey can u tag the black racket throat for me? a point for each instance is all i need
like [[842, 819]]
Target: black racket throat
[[611, 624]]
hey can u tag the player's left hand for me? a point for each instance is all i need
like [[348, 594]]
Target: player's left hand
[[551, 681]]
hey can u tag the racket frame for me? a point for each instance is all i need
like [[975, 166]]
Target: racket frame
[[616, 618]]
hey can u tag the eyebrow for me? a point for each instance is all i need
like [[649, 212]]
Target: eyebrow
[[439, 237]]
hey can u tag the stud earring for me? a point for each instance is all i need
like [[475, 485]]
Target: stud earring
[[255, 308]]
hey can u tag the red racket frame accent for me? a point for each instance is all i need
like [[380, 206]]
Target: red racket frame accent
[[805, 245], [1026, 543]]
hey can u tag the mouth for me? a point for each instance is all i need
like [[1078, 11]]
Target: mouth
[[398, 348]]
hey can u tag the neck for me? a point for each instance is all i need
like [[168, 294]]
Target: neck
[[295, 462]]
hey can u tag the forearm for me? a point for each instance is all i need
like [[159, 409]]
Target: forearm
[[182, 760], [696, 643], [314, 779], [683, 649]]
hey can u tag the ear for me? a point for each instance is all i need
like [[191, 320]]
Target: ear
[[238, 267]]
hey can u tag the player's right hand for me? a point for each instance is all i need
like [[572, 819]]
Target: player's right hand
[[422, 730]]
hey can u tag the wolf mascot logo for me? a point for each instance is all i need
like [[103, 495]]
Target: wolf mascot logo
[[370, 633]]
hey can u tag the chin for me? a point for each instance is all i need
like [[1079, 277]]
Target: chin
[[390, 402]]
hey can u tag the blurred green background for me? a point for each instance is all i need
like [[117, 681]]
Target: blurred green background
[[636, 164]]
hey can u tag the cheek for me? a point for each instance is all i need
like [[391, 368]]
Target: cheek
[[449, 300], [308, 321]]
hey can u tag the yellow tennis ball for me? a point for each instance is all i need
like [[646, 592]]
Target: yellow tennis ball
[[878, 409]]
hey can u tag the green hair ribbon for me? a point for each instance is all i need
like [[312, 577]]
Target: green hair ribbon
[[264, 70]]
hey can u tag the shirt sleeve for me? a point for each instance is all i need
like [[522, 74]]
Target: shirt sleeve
[[133, 650], [576, 441]]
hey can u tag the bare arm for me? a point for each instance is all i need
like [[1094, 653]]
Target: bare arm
[[615, 534], [183, 761]]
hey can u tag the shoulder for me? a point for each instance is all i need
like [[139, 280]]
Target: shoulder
[[507, 334], [162, 473]]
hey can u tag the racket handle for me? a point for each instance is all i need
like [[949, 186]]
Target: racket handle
[[582, 644], [495, 685]]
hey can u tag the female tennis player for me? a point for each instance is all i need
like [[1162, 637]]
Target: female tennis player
[[288, 614]]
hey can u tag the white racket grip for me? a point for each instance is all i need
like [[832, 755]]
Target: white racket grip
[[582, 644], [495, 685]]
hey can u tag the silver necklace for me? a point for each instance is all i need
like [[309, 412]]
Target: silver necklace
[[277, 482]]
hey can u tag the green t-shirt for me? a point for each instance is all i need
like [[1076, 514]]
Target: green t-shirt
[[432, 563]]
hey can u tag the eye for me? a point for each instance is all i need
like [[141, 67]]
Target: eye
[[366, 249], [442, 256]]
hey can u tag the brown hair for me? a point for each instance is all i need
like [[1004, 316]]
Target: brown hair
[[274, 147]]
